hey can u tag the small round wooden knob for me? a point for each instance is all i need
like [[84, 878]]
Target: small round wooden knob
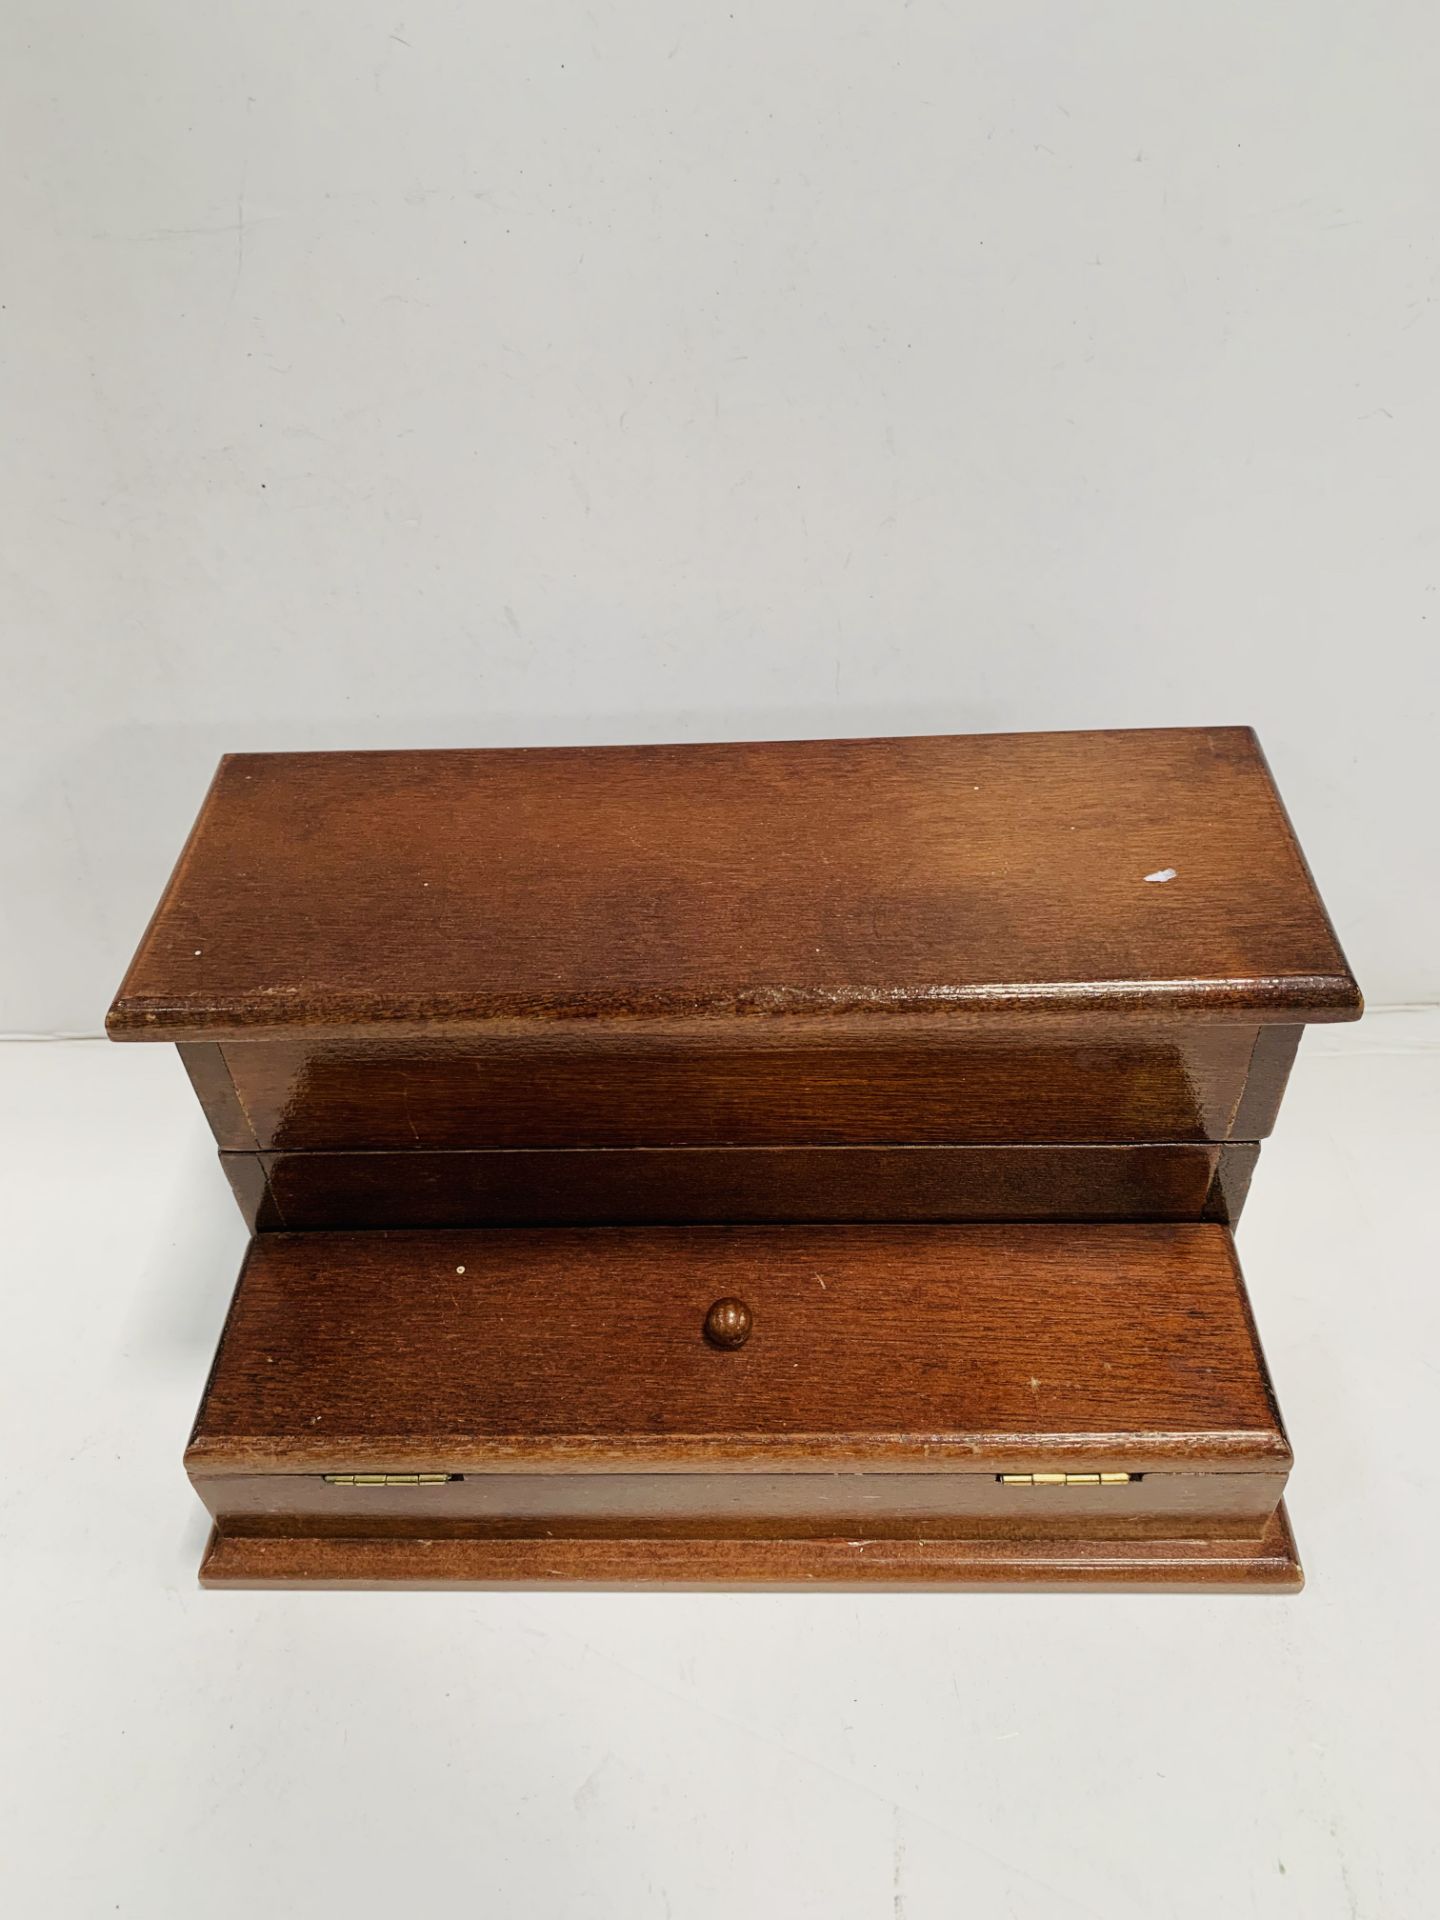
[[728, 1323]]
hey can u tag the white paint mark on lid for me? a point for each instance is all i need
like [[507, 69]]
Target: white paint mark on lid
[[1164, 874]]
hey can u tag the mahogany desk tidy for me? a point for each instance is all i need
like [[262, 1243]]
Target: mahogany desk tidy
[[784, 1163]]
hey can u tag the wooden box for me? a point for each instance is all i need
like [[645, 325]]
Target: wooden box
[[1065, 972], [878, 991], [911, 1404]]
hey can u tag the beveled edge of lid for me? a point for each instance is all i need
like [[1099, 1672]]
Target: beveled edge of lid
[[1296, 999]]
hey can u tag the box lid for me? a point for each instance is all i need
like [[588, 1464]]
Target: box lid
[[926, 879], [948, 1348]]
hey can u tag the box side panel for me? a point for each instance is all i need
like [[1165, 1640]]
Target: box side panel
[[1265, 1082], [621, 1186], [673, 1504], [1002, 1082], [251, 1188], [1234, 1167], [215, 1090]]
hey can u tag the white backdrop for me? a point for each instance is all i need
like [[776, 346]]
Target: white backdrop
[[465, 373], [457, 372]]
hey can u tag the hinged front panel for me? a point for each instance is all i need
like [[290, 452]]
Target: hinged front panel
[[915, 1349], [1043, 1405], [714, 1504]]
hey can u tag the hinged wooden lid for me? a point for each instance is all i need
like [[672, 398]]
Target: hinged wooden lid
[[970, 1349], [928, 880]]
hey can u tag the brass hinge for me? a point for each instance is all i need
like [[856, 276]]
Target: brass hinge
[[390, 1479], [1066, 1479]]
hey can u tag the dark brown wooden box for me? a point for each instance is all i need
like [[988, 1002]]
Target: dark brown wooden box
[[633, 984], [949, 1057], [913, 1404]]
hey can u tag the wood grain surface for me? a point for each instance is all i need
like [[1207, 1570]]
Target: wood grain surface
[[1193, 1564], [720, 1504], [922, 1348], [681, 1186], [999, 1080], [460, 892]]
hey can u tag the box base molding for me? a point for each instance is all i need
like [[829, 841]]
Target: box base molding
[[1267, 1563]]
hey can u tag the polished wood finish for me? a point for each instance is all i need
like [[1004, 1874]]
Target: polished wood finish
[[1265, 1082], [460, 893], [215, 1090], [1234, 1167], [743, 1163], [899, 1344], [681, 1186], [753, 1504], [1033, 1080], [1264, 1564], [250, 1184], [892, 1376]]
